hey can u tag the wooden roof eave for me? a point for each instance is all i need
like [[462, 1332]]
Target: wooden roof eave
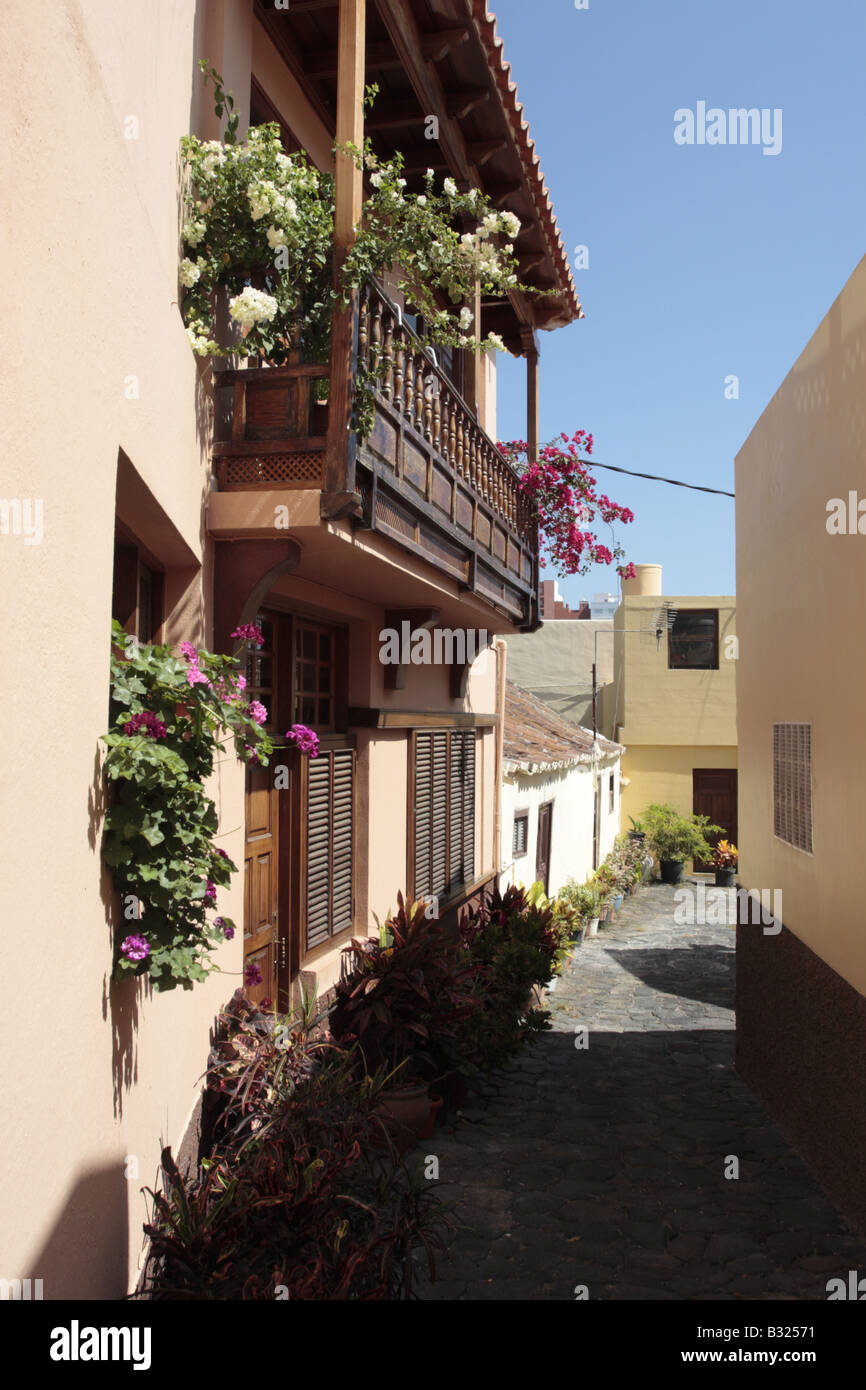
[[477, 143]]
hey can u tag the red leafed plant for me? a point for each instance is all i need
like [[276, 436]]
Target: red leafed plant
[[565, 500], [402, 994]]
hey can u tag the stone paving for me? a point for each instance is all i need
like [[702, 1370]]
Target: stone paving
[[605, 1166]]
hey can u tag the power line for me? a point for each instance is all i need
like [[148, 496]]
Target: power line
[[654, 478]]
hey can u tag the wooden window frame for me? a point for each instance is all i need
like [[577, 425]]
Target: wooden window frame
[[453, 887], [522, 815], [282, 712], [138, 560], [690, 613]]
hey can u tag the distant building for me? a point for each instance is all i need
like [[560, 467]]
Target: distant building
[[560, 807], [673, 700], [603, 605], [555, 664], [553, 606]]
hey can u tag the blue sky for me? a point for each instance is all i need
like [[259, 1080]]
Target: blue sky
[[704, 261]]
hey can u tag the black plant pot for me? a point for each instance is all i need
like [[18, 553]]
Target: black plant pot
[[725, 878], [637, 835], [671, 870]]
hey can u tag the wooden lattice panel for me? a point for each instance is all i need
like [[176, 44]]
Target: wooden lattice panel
[[302, 469]]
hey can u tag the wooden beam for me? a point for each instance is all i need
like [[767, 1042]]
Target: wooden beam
[[482, 150], [363, 717], [433, 157], [459, 104], [499, 193], [348, 202], [399, 113], [309, 6], [380, 56], [418, 54], [437, 45], [529, 342]]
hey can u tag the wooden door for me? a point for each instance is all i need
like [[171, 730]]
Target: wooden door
[[261, 883], [542, 853], [714, 794]]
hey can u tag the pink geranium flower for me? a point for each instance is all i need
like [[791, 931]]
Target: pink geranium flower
[[305, 739]]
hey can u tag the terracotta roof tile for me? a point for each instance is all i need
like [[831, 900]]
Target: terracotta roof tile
[[485, 22], [536, 736]]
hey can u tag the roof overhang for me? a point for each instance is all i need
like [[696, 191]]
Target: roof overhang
[[444, 59]]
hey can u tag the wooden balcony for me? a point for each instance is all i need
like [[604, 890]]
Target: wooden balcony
[[428, 476]]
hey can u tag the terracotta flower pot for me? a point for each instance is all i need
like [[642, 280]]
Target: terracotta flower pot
[[408, 1112]]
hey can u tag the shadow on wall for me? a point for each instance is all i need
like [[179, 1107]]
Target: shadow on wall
[[86, 1255]]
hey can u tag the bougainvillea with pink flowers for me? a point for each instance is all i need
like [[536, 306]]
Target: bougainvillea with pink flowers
[[172, 715], [307, 740], [565, 499]]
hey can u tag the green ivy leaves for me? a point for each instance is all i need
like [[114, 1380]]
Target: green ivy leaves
[[161, 825]]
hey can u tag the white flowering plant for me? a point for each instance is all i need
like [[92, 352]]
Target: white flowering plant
[[259, 224]]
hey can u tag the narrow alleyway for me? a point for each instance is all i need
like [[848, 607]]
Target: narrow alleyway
[[605, 1166]]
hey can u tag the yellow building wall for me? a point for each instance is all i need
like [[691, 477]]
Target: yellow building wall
[[802, 646], [662, 707], [664, 774]]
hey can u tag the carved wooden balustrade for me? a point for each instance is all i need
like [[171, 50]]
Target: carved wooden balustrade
[[438, 482], [428, 475]]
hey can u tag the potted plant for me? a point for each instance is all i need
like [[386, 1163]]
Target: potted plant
[[401, 995], [637, 832], [725, 856], [675, 838]]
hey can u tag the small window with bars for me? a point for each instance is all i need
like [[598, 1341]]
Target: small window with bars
[[792, 784], [330, 844], [611, 794], [520, 835], [443, 783]]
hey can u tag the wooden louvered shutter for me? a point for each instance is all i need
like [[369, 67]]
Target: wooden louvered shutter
[[468, 807], [444, 820], [423, 818], [439, 816], [330, 829]]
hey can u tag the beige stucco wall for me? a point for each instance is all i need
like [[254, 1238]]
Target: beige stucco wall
[[555, 664], [92, 1072], [802, 654]]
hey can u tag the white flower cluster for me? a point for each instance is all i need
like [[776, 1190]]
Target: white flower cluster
[[190, 272], [193, 231], [450, 187], [201, 344], [252, 306], [214, 157], [466, 318], [510, 224], [276, 237], [264, 199], [495, 341]]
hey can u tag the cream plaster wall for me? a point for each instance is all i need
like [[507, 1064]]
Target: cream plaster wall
[[100, 1074], [571, 791], [802, 653]]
